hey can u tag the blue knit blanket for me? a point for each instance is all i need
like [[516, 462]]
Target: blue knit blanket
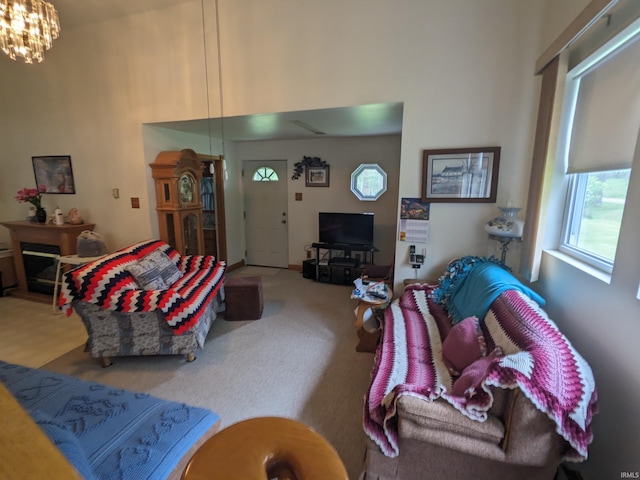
[[471, 284], [107, 433]]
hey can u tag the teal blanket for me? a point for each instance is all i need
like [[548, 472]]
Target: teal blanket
[[471, 284]]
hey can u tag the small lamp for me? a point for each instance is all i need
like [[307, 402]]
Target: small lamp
[[505, 228]]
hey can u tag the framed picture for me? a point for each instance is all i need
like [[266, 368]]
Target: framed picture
[[460, 175], [54, 173], [317, 176]]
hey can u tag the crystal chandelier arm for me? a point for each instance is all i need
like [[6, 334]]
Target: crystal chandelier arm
[[27, 28]]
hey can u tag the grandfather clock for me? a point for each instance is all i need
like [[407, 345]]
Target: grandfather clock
[[177, 178]]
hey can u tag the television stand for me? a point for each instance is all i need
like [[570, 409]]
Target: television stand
[[341, 270], [345, 262]]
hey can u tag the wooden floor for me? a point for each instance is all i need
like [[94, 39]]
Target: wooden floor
[[33, 335]]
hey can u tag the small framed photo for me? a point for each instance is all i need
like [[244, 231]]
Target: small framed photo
[[54, 174], [460, 175], [317, 176]]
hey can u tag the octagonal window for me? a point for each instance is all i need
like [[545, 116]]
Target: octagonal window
[[368, 182]]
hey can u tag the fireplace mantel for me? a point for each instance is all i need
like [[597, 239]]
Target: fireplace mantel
[[63, 236]]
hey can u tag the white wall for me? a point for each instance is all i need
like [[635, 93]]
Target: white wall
[[463, 70], [89, 99], [460, 83]]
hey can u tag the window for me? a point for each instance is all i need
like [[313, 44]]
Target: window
[[265, 174], [368, 182], [601, 126], [594, 216]]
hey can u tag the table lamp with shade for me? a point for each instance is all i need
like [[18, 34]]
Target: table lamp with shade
[[505, 228]]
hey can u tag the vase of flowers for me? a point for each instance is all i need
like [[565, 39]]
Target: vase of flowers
[[34, 197]]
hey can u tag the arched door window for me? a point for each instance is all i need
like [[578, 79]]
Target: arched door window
[[265, 174]]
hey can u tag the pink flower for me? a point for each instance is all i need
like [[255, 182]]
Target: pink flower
[[31, 195]]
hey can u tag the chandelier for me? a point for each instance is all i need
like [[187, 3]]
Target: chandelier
[[27, 28]]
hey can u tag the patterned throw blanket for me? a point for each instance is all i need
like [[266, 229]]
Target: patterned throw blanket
[[107, 433], [108, 284], [538, 359]]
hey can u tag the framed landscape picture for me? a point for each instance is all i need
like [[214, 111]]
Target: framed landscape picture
[[54, 174], [317, 176], [460, 175]]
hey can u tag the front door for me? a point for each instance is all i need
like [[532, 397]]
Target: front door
[[266, 217]]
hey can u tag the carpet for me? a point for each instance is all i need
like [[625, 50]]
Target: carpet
[[254, 271], [298, 361]]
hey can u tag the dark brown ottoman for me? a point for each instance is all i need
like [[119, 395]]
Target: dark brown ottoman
[[243, 298]]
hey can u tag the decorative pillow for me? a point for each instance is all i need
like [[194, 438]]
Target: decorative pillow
[[168, 270], [147, 275], [65, 441], [463, 345], [473, 376]]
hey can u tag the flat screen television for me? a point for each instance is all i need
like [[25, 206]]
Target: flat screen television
[[346, 228]]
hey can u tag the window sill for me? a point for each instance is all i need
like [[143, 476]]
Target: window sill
[[588, 269]]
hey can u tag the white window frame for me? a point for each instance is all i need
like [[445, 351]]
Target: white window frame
[[367, 169], [265, 174], [570, 223], [577, 183]]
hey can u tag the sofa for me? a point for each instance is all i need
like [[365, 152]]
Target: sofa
[[472, 379], [109, 433], [145, 299]]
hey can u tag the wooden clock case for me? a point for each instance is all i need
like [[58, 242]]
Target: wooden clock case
[[177, 176]]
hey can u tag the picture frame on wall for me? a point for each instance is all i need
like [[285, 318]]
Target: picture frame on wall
[[460, 175], [54, 174], [317, 176]]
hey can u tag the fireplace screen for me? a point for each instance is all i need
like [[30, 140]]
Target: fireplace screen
[[40, 266]]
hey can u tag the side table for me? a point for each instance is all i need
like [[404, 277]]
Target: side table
[[74, 260], [368, 337], [265, 447]]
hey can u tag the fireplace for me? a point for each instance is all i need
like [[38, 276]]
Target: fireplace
[[35, 248], [40, 266]]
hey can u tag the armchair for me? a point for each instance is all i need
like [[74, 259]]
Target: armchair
[[498, 392], [145, 299]]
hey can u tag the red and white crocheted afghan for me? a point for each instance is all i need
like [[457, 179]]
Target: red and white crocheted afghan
[[108, 284]]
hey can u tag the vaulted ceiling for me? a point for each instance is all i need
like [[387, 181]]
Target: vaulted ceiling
[[359, 120]]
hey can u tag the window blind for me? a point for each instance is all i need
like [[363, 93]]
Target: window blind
[[607, 113]]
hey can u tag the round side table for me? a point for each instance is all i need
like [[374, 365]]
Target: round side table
[[266, 447], [368, 337]]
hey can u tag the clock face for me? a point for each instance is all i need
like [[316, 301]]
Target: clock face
[[187, 185]]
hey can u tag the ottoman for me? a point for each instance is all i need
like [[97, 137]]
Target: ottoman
[[243, 298]]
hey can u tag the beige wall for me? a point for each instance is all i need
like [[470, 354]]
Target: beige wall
[[343, 155], [457, 66], [463, 69], [89, 99]]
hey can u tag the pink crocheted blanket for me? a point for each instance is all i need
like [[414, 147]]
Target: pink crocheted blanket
[[538, 359]]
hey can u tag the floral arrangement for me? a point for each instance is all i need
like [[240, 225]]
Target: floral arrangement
[[31, 195]]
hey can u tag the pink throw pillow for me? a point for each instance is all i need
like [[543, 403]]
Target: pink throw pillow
[[473, 376], [463, 345]]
